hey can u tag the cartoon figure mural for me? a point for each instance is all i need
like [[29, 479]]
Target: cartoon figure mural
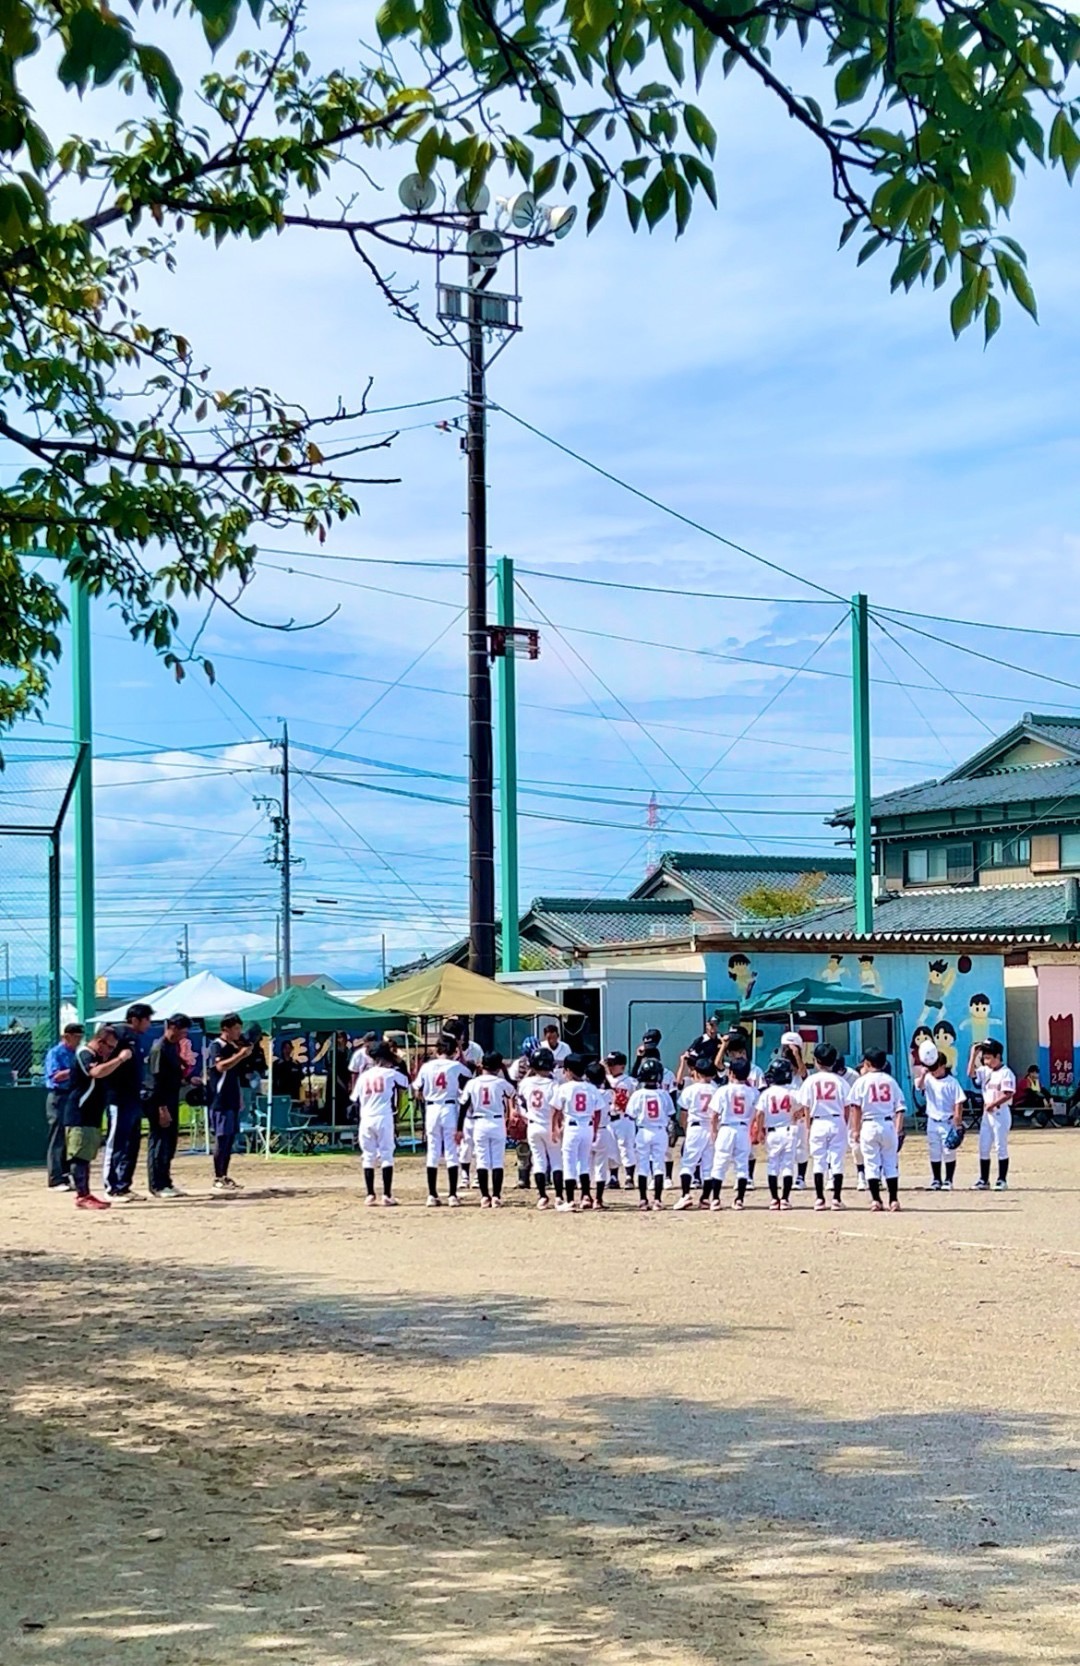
[[869, 977], [979, 1020], [945, 1041], [741, 974], [940, 977], [834, 969]]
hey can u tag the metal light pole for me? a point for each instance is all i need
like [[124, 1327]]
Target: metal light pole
[[860, 679], [481, 763], [82, 710]]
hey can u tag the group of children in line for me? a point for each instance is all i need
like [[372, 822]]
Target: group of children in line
[[586, 1123]]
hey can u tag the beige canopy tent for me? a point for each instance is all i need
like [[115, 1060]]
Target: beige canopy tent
[[444, 991]]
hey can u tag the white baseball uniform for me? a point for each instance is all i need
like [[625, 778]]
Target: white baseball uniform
[[605, 1151], [880, 1097], [995, 1124], [825, 1096], [378, 1088], [732, 1108], [579, 1103], [623, 1126], [697, 1151], [486, 1099], [537, 1094], [942, 1094], [439, 1083], [650, 1109], [776, 1107]]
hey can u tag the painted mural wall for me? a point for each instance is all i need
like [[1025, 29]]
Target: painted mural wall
[[955, 999]]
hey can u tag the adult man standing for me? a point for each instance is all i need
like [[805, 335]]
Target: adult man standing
[[225, 1056], [164, 1079], [95, 1062], [707, 1044], [126, 1104], [58, 1064]]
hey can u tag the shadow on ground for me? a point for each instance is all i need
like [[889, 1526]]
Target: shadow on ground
[[226, 1467]]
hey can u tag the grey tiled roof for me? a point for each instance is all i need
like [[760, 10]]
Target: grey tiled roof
[[1005, 786], [966, 911], [588, 921], [721, 882], [542, 957]]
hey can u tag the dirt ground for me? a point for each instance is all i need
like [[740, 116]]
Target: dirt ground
[[281, 1427]]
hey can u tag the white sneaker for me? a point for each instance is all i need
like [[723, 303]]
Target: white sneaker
[[685, 1202], [453, 1202], [564, 1208], [434, 1203], [860, 1183]]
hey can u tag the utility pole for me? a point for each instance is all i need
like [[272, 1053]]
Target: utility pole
[[506, 684], [481, 762], [7, 981], [82, 709], [277, 955], [860, 679], [183, 952], [243, 971], [286, 864]]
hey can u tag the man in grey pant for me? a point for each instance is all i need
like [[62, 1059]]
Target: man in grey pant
[[58, 1063]]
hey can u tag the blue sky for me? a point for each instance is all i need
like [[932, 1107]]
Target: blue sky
[[747, 375]]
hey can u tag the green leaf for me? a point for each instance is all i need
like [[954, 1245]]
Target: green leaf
[[545, 176], [657, 199], [962, 309], [435, 26], [96, 45], [158, 72], [992, 319], [700, 129], [854, 78], [427, 151], [218, 19]]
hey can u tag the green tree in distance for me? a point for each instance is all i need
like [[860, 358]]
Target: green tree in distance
[[146, 481]]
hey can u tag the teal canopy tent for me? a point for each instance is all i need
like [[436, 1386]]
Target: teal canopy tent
[[817, 1002]]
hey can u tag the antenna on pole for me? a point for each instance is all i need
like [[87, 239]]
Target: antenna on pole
[[652, 847]]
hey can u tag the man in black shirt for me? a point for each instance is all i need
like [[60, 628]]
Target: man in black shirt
[[707, 1045], [94, 1062], [126, 1104], [164, 1079], [225, 1059]]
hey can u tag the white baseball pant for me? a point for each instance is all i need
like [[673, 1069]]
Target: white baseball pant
[[605, 1155], [994, 1132], [377, 1142], [828, 1144], [441, 1128], [781, 1150], [626, 1139], [697, 1151], [650, 1150], [489, 1139], [878, 1143], [732, 1151], [576, 1149], [546, 1152], [936, 1149], [465, 1149], [802, 1141]]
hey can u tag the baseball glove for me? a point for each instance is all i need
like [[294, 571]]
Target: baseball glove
[[954, 1139], [516, 1126]]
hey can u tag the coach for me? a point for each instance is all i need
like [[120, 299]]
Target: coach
[[126, 1104]]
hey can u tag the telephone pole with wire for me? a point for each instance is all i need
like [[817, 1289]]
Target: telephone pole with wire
[[280, 856], [183, 952]]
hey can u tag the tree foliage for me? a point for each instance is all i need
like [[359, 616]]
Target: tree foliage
[[782, 902], [147, 481]]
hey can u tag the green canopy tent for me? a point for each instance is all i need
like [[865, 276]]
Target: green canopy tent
[[809, 1000], [304, 1011]]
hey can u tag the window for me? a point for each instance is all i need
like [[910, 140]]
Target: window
[[1070, 850], [1007, 853], [940, 865]]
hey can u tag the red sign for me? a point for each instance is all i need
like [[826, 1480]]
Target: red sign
[[1061, 1052]]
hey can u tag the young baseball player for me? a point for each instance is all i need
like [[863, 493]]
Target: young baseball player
[[777, 1118], [605, 1151], [577, 1107], [698, 1141], [945, 1101], [650, 1107], [877, 1120], [381, 1089], [737, 1045], [732, 1111], [622, 1085], [791, 1048], [537, 1095], [851, 1077], [486, 1100], [998, 1086], [438, 1083], [824, 1097]]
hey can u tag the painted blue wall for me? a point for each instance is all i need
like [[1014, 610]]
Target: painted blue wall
[[936, 989]]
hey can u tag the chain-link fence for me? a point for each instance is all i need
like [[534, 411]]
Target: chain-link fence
[[37, 778]]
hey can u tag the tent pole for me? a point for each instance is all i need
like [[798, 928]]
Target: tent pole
[[269, 1088]]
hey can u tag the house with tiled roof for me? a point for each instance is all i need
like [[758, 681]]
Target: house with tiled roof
[[731, 889]]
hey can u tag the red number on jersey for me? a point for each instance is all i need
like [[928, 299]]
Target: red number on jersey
[[738, 1104], [827, 1089], [652, 1108], [622, 1098], [377, 1084], [536, 1099], [440, 1082], [581, 1103], [485, 1096]]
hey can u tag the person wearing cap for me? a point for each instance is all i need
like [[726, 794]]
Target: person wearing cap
[[707, 1044], [58, 1065], [622, 1085], [165, 1073], [791, 1048], [225, 1060]]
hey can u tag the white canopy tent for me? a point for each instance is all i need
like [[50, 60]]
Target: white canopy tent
[[202, 995]]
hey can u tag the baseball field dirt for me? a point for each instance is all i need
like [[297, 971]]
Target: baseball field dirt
[[280, 1427]]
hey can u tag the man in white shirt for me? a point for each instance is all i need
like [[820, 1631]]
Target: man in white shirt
[[945, 1101], [380, 1092], [439, 1083], [877, 1112], [559, 1049], [998, 1086], [359, 1060]]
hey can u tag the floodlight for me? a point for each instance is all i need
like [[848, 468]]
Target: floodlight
[[416, 193], [521, 209], [473, 202], [484, 248], [560, 220]]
